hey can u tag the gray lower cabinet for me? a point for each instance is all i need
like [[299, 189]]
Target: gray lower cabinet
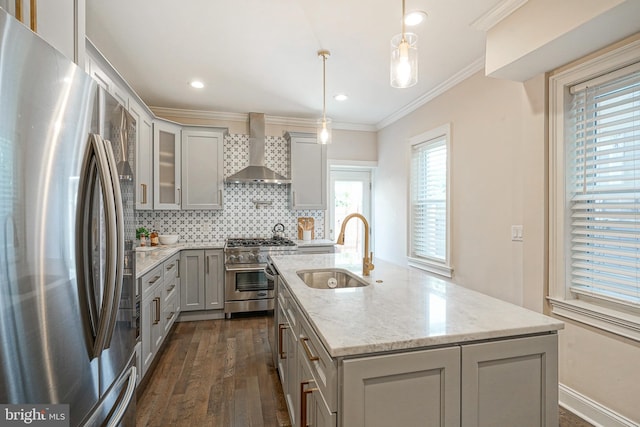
[[160, 307], [152, 331], [202, 279], [512, 382], [415, 388]]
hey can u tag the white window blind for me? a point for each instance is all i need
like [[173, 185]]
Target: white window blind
[[429, 200], [604, 189]]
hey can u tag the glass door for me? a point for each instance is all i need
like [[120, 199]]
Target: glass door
[[350, 192]]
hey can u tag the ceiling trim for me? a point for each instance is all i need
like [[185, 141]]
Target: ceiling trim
[[179, 113], [496, 14], [461, 75]]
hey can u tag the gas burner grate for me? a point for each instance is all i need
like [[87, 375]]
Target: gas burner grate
[[258, 242]]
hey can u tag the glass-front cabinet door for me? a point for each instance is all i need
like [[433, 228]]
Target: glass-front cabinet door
[[167, 193]]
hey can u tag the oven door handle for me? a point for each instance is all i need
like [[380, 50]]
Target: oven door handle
[[269, 273], [244, 267]]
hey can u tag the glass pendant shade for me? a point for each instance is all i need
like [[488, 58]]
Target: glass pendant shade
[[324, 130], [404, 60]]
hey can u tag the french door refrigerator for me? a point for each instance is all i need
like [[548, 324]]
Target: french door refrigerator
[[67, 269]]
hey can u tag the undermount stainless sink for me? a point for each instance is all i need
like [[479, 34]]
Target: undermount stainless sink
[[331, 278]]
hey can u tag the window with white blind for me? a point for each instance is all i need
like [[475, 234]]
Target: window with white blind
[[429, 244], [595, 235]]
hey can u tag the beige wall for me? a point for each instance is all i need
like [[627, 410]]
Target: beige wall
[[487, 182], [499, 178]]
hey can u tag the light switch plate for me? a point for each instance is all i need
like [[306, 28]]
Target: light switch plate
[[516, 233]]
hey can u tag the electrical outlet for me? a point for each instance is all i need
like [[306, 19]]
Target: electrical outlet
[[516, 233]]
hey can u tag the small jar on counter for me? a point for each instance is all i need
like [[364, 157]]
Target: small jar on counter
[[154, 238]]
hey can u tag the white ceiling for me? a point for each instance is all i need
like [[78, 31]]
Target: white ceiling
[[261, 55]]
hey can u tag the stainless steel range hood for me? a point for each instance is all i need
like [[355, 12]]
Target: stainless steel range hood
[[257, 172]]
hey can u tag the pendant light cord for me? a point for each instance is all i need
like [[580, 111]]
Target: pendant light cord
[[324, 54], [324, 87], [403, 12]]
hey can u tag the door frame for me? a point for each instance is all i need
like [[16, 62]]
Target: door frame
[[336, 166]]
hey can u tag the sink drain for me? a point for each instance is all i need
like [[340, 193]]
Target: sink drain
[[332, 282]]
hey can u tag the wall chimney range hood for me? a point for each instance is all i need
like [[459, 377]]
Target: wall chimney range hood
[[257, 172]]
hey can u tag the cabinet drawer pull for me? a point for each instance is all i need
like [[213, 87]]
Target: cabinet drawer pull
[[178, 269], [169, 267], [154, 280], [171, 288], [170, 315], [281, 327], [303, 401], [157, 317], [307, 350]]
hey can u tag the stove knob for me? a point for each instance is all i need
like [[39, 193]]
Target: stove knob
[[251, 257], [262, 258], [232, 258], [240, 258]]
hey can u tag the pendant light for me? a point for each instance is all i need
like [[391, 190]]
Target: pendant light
[[324, 124], [404, 58]]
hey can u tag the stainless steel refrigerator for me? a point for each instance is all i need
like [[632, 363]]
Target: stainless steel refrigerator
[[67, 267]]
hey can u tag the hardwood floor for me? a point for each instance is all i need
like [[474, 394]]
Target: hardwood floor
[[215, 373], [219, 373]]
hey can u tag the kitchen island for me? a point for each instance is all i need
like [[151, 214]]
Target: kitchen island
[[409, 349]]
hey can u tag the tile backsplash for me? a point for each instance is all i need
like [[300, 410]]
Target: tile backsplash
[[241, 217]]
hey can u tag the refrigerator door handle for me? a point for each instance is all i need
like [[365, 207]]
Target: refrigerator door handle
[[95, 320], [119, 222], [122, 407]]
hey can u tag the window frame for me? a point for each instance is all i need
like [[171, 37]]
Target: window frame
[[432, 265], [610, 316]]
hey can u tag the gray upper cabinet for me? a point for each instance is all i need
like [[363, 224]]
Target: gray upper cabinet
[[308, 171], [166, 165], [144, 156], [61, 23], [202, 168]]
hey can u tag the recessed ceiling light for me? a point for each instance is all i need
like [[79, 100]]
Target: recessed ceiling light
[[414, 17], [340, 97], [196, 84]]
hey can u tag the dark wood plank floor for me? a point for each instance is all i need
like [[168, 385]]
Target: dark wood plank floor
[[219, 373], [215, 373]]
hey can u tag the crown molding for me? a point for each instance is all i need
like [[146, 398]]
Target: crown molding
[[460, 76], [178, 113], [496, 14]]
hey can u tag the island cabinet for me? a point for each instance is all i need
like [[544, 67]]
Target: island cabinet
[[308, 171], [287, 326], [413, 388], [506, 381], [202, 285]]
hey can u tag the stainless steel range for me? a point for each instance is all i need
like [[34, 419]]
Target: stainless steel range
[[247, 287]]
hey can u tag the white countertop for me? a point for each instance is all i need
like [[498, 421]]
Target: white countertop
[[409, 309], [147, 260]]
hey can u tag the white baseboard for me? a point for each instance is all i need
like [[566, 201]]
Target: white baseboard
[[590, 410]]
